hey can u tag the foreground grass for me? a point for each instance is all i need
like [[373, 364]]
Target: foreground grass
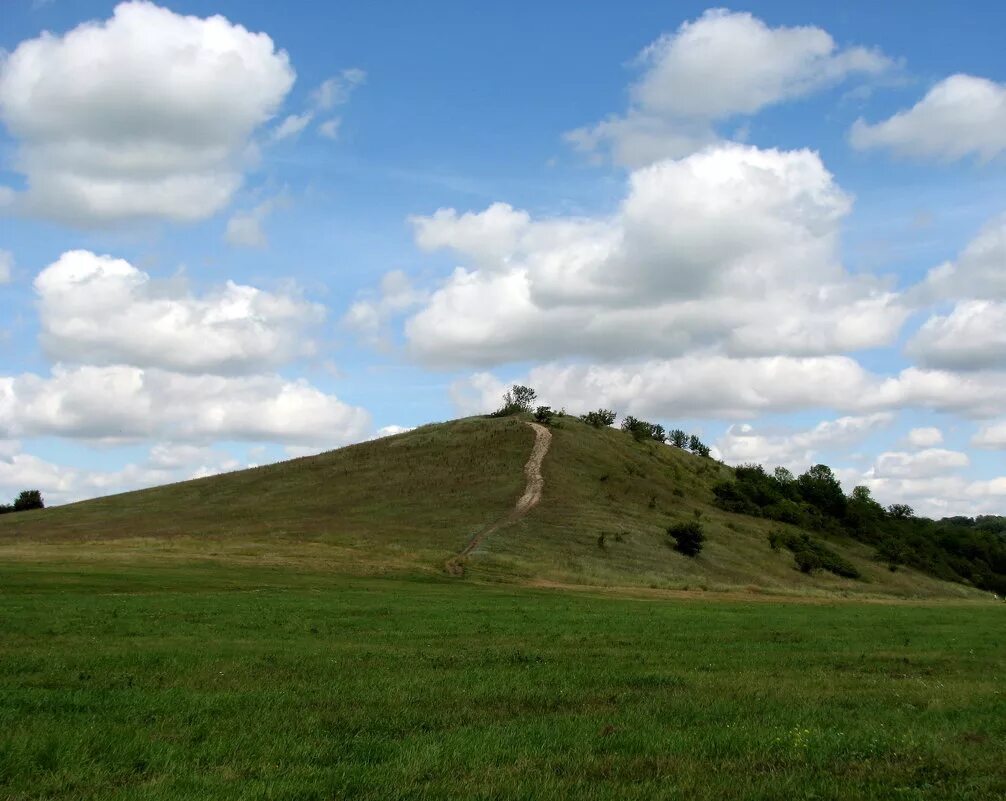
[[213, 682]]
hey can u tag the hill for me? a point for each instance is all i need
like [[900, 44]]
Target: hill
[[411, 502]]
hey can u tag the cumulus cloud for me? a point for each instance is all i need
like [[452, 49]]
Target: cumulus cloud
[[733, 247], [131, 403], [991, 436], [925, 463], [159, 126], [101, 311], [797, 450], [719, 66], [960, 116], [972, 336], [712, 386], [924, 437], [6, 266]]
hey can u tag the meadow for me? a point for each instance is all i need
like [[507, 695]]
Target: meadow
[[221, 681]]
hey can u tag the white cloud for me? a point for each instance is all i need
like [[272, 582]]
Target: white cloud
[[101, 311], [733, 247], [926, 463], [978, 273], [960, 116], [796, 450], [971, 337], [330, 128], [991, 436], [244, 228], [713, 386], [157, 126], [925, 437], [118, 403], [60, 484], [6, 266], [292, 126], [719, 66], [369, 316], [336, 90]]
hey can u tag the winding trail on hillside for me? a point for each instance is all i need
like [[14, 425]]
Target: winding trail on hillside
[[526, 502]]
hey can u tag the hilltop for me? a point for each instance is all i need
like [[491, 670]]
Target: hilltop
[[409, 503]]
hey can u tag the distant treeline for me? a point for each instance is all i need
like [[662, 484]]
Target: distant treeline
[[966, 549], [28, 499]]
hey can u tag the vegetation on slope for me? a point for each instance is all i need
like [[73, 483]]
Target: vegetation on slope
[[410, 502]]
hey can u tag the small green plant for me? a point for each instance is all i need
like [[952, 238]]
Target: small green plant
[[601, 539], [688, 537]]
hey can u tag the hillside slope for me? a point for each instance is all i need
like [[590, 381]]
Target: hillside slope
[[410, 502]]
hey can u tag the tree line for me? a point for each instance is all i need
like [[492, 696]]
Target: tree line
[[972, 550]]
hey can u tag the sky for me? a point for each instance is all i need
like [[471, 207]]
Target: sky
[[236, 232]]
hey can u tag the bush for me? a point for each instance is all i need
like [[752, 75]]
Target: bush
[[807, 561], [6, 508], [688, 537], [641, 430], [29, 499], [811, 555], [602, 418], [544, 415]]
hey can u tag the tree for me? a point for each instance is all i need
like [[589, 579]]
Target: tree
[[901, 511], [678, 438], [819, 487], [602, 418], [688, 537], [29, 499], [694, 443], [516, 400], [544, 415], [657, 432]]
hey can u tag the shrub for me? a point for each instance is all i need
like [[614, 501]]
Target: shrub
[[807, 561], [29, 499], [544, 415], [602, 418], [688, 537], [5, 508], [641, 430]]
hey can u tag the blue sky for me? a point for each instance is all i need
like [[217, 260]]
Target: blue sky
[[670, 210]]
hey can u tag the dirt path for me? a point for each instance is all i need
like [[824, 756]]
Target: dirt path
[[526, 502]]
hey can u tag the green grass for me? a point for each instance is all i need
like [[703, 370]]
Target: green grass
[[183, 681]]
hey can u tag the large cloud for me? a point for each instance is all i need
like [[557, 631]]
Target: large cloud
[[147, 114], [960, 116], [732, 247], [797, 450], [721, 65], [131, 404], [972, 336], [711, 386], [100, 310]]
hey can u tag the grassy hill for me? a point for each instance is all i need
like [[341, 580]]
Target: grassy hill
[[406, 504]]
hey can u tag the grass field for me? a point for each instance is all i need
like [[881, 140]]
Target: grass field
[[132, 681]]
